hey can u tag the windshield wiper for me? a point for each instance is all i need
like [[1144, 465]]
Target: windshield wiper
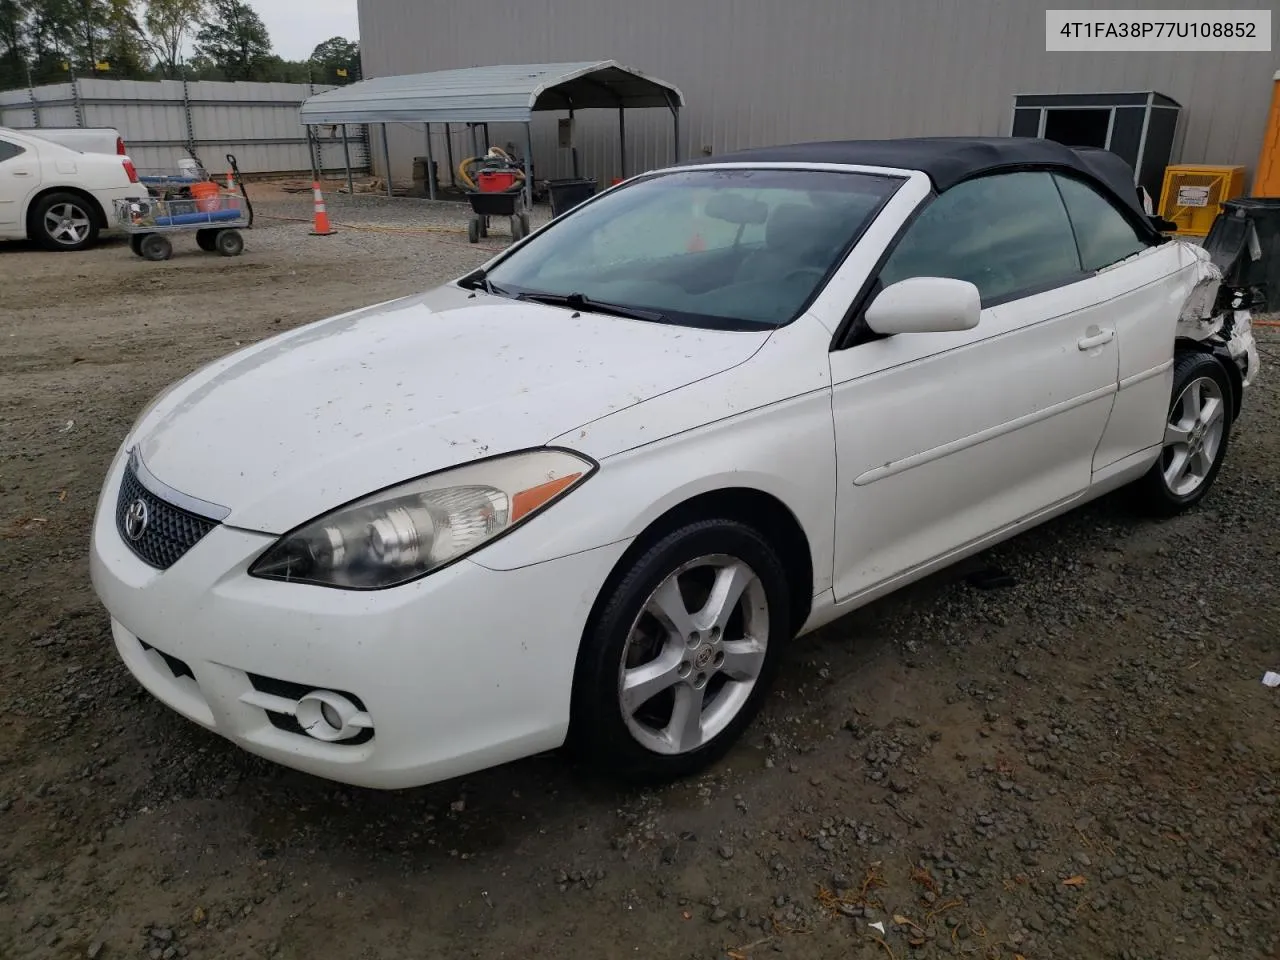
[[579, 301], [480, 281]]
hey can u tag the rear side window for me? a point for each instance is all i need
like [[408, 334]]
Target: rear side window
[[1104, 235], [9, 150], [1007, 233]]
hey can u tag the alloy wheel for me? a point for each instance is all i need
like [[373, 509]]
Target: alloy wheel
[[693, 654], [67, 223], [1193, 436]]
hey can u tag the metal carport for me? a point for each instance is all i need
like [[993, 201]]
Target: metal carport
[[508, 93]]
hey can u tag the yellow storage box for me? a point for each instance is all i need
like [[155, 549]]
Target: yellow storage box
[[1192, 192]]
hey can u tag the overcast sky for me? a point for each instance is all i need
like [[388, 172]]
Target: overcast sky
[[296, 26]]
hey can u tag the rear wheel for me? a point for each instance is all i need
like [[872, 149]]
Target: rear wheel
[[681, 654], [135, 243], [1195, 438], [206, 240], [64, 221], [229, 243], [473, 230]]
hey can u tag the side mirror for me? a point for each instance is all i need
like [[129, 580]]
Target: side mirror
[[925, 305]]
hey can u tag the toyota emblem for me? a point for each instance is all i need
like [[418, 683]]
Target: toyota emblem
[[135, 519]]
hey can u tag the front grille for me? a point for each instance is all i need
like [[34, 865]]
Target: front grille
[[168, 532]]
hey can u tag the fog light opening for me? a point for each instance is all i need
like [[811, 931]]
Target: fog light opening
[[328, 716]]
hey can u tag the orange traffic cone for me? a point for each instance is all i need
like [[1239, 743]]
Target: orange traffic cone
[[321, 228]]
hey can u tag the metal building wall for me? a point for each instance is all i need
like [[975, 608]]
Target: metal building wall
[[257, 122], [756, 72]]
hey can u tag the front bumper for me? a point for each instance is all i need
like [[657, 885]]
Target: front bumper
[[462, 670]]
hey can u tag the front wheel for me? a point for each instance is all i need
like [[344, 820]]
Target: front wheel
[[1195, 437], [681, 653]]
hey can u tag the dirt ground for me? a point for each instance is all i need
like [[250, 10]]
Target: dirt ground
[[1080, 762]]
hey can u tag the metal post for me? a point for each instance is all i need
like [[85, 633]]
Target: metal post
[[528, 164], [622, 142], [487, 142], [448, 146], [573, 145], [186, 113], [386, 157], [675, 123], [346, 159], [475, 145], [75, 98], [431, 166], [31, 92], [311, 154]]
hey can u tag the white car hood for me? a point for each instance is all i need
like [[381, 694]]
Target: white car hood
[[296, 425]]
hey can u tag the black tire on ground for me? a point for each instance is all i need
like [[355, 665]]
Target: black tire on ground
[[155, 246], [484, 226], [473, 230], [1197, 378], [206, 240], [229, 243], [524, 225], [514, 223], [53, 211], [135, 243], [598, 732]]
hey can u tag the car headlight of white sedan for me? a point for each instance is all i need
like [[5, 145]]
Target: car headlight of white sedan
[[409, 530]]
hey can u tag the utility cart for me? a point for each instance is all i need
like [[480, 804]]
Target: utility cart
[[190, 181], [216, 221], [507, 203]]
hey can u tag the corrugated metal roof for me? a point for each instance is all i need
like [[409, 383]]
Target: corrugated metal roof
[[496, 94]]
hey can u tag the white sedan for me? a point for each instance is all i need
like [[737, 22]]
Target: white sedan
[[588, 494], [59, 197]]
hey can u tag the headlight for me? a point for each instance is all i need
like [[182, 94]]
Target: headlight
[[409, 530]]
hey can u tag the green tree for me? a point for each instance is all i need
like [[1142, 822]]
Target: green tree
[[168, 23], [53, 39], [124, 46], [234, 39], [334, 55], [13, 44]]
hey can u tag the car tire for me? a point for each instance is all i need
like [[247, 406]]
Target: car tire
[[64, 221], [672, 664], [1197, 430]]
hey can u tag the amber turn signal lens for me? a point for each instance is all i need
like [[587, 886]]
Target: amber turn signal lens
[[527, 501]]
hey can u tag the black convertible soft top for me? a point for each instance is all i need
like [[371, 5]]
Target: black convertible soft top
[[949, 160]]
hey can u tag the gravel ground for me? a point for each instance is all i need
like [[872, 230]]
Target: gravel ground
[[1081, 762]]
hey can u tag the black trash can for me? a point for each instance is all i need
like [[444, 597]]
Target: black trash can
[[567, 194], [1263, 274]]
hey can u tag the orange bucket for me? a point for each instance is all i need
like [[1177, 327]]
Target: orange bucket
[[205, 195]]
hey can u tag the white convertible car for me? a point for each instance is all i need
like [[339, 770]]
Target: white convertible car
[[587, 494]]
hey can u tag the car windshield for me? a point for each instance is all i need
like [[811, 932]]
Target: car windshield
[[727, 248]]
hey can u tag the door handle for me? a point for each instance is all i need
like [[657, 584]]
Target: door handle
[[1095, 338], [22, 173]]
